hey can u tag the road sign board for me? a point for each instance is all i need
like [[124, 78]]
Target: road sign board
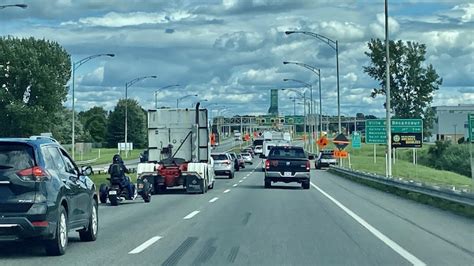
[[340, 141], [340, 154], [375, 129], [323, 142], [356, 140], [407, 140], [470, 120]]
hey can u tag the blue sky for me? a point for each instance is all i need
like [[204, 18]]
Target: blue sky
[[231, 52]]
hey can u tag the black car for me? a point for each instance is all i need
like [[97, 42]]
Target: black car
[[44, 195]]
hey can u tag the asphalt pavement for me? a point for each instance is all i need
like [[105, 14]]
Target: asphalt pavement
[[336, 222]]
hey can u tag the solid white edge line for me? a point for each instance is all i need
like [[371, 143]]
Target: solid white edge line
[[392, 244], [227, 190], [234, 185], [191, 215], [145, 245], [213, 199]]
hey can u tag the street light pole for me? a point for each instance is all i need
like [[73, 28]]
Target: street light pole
[[127, 85], [23, 6], [156, 93], [387, 82], [75, 66], [334, 45], [186, 96]]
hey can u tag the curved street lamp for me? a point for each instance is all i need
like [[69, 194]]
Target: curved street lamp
[[194, 103], [334, 45], [184, 97], [14, 5], [162, 88], [75, 66], [127, 85]]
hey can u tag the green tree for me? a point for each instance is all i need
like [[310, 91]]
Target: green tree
[[33, 75], [95, 123], [136, 124], [62, 128], [412, 82]]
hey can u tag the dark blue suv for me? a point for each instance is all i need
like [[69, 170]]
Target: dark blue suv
[[43, 194]]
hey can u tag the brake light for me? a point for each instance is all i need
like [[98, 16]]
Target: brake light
[[35, 173], [267, 164], [308, 165], [227, 162]]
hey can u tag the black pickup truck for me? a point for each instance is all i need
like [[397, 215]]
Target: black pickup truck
[[287, 164]]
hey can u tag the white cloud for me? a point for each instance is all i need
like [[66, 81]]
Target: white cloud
[[378, 28]]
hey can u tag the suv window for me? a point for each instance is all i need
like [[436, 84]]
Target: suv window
[[57, 159], [16, 156], [286, 152], [70, 167], [219, 157]]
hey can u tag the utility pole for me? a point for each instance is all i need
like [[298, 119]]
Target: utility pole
[[387, 85]]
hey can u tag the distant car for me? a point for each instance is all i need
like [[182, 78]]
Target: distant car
[[247, 158], [44, 195], [258, 149], [287, 164], [223, 164], [249, 150], [144, 156], [241, 161], [236, 161], [325, 158]]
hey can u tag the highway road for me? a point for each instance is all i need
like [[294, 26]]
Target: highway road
[[336, 222]]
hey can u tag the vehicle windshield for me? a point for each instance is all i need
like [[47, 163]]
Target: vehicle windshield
[[219, 157], [290, 153], [16, 156]]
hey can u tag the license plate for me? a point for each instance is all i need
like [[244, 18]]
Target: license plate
[[112, 192], [287, 174], [140, 185]]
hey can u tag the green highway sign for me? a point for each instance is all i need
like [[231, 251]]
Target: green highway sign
[[375, 131], [470, 121], [356, 140]]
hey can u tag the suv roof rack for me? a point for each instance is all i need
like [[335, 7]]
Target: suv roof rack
[[44, 137]]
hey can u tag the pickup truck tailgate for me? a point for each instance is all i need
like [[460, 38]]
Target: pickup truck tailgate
[[287, 165]]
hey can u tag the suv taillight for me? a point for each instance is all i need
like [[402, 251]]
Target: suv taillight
[[267, 164], [227, 162], [35, 173], [308, 165]]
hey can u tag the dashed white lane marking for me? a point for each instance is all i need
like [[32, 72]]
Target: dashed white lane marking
[[394, 246], [240, 181], [234, 185], [227, 190], [145, 245], [191, 215], [213, 199]]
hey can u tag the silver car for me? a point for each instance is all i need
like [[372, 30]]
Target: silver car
[[223, 164], [247, 157]]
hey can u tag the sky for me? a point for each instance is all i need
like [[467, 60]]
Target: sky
[[230, 52]]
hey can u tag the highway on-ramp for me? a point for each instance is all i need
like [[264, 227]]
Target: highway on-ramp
[[335, 222]]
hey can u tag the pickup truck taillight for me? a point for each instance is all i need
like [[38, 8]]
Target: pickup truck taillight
[[226, 162], [308, 165], [267, 164]]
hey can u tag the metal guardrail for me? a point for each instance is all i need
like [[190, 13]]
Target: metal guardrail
[[457, 196]]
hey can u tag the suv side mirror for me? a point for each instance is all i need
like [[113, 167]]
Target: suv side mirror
[[86, 170]]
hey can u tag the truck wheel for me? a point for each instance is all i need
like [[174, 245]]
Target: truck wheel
[[57, 245], [305, 185], [90, 233], [103, 193], [268, 184], [231, 175], [211, 186]]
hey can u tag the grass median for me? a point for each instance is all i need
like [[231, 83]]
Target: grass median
[[104, 155], [363, 160]]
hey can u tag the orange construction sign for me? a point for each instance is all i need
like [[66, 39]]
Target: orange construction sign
[[340, 154], [322, 142]]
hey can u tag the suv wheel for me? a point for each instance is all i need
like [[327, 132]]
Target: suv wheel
[[57, 245], [90, 233]]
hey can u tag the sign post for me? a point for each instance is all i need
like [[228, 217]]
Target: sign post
[[470, 121]]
